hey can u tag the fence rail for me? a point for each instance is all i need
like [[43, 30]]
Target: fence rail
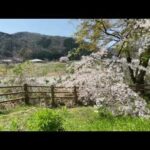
[[28, 93], [12, 100], [142, 87], [9, 87], [28, 90]]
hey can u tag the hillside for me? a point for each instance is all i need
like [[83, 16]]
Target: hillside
[[28, 45]]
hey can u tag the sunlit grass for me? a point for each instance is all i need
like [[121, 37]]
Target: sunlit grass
[[38, 69], [75, 119]]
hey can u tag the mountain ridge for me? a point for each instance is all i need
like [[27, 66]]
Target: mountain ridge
[[29, 45]]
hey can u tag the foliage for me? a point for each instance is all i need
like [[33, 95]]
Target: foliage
[[76, 119], [70, 43], [104, 113], [14, 125], [45, 120], [74, 52], [22, 71], [43, 54], [21, 68], [77, 53], [44, 42], [91, 119], [125, 35], [31, 74], [31, 45]]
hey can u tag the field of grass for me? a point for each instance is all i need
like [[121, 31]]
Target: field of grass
[[49, 69], [36, 69], [74, 119]]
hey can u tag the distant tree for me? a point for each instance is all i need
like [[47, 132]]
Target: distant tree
[[77, 53], [44, 42], [70, 43], [7, 54], [50, 55], [25, 53]]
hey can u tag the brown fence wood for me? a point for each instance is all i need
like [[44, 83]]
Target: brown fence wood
[[10, 86], [12, 100], [63, 92], [39, 97], [66, 87], [53, 96], [75, 95], [38, 92], [38, 86], [4, 94], [72, 93], [26, 94], [64, 96], [49, 86]]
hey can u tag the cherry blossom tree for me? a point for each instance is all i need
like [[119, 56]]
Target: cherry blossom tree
[[101, 83], [124, 35]]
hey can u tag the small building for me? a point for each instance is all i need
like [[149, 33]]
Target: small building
[[6, 61], [64, 59], [36, 61]]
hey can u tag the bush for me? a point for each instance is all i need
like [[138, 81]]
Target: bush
[[104, 113], [44, 54], [14, 125], [45, 120], [76, 53]]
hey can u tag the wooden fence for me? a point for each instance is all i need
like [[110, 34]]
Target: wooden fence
[[48, 93], [142, 87]]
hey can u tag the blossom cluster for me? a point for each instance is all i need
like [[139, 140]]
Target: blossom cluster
[[101, 83]]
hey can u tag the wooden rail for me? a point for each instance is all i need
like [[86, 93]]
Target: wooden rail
[[28, 93], [140, 87], [12, 100], [11, 93], [10, 87], [63, 93]]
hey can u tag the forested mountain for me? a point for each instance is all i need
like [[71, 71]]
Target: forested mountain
[[28, 45]]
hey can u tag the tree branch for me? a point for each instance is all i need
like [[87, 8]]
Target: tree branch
[[106, 32], [121, 49]]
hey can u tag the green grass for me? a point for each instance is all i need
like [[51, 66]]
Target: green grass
[[15, 119], [49, 69], [38, 69], [74, 119], [86, 119]]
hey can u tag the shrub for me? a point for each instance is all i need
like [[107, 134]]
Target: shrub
[[14, 126], [76, 53], [104, 113], [45, 120]]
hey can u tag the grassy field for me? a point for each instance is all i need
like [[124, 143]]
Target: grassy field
[[36, 69], [74, 119]]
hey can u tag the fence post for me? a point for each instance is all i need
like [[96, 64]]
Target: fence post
[[75, 95], [53, 95], [26, 94]]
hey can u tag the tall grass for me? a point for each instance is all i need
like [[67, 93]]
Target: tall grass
[[74, 119], [38, 69]]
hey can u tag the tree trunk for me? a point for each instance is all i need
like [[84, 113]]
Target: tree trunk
[[138, 78], [129, 60]]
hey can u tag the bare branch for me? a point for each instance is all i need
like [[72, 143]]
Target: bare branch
[[106, 32], [121, 49]]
